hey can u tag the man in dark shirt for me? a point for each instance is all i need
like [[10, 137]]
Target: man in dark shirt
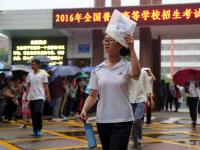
[[58, 96], [3, 85]]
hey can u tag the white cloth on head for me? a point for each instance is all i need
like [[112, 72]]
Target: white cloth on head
[[120, 25]]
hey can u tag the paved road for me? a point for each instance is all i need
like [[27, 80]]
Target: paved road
[[169, 131]]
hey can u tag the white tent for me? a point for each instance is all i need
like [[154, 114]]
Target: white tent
[[4, 46], [4, 40], [3, 36]]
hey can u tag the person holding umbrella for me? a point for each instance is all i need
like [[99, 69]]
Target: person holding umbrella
[[192, 88]]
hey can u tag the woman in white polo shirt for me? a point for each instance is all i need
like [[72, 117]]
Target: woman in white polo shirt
[[110, 80]]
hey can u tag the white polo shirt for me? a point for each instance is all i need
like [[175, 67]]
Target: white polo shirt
[[112, 85], [194, 91], [139, 89], [36, 85]]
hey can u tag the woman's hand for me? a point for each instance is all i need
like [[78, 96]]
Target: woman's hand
[[90, 101], [135, 74], [129, 40], [15, 101], [83, 116]]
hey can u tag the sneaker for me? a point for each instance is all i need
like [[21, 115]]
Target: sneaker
[[53, 120], [139, 145], [34, 134], [11, 121], [65, 118], [194, 124], [148, 125], [24, 126], [39, 133], [56, 119], [135, 145], [5, 120]]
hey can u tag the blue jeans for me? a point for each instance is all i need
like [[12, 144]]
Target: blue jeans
[[56, 108], [138, 112]]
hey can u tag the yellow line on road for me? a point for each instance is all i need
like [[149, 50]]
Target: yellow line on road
[[69, 147], [61, 135], [159, 127], [32, 139], [68, 137], [17, 132], [65, 147], [190, 139], [174, 125], [155, 128], [64, 136], [8, 146], [171, 142], [74, 123], [70, 131], [7, 128], [163, 132]]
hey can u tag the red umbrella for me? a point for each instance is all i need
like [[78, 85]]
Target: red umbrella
[[181, 76]]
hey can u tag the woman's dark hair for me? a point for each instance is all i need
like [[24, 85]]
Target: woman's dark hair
[[37, 61], [124, 51]]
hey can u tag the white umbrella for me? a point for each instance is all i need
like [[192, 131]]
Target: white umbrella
[[66, 71], [87, 69], [42, 59], [5, 67], [18, 70], [21, 68]]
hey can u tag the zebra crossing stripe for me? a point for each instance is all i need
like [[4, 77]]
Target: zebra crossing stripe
[[171, 120], [152, 118]]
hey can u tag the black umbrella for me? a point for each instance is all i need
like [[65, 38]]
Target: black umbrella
[[19, 70]]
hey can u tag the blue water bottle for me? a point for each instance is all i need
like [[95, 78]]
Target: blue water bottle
[[90, 136]]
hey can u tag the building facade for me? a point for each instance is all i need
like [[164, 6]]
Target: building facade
[[178, 54]]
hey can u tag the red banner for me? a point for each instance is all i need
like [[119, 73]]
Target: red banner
[[180, 14]]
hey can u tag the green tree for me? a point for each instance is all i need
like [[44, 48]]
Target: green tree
[[3, 55]]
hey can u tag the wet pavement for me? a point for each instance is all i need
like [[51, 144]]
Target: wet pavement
[[169, 131]]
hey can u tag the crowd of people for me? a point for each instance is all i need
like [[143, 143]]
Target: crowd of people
[[167, 96], [66, 98]]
